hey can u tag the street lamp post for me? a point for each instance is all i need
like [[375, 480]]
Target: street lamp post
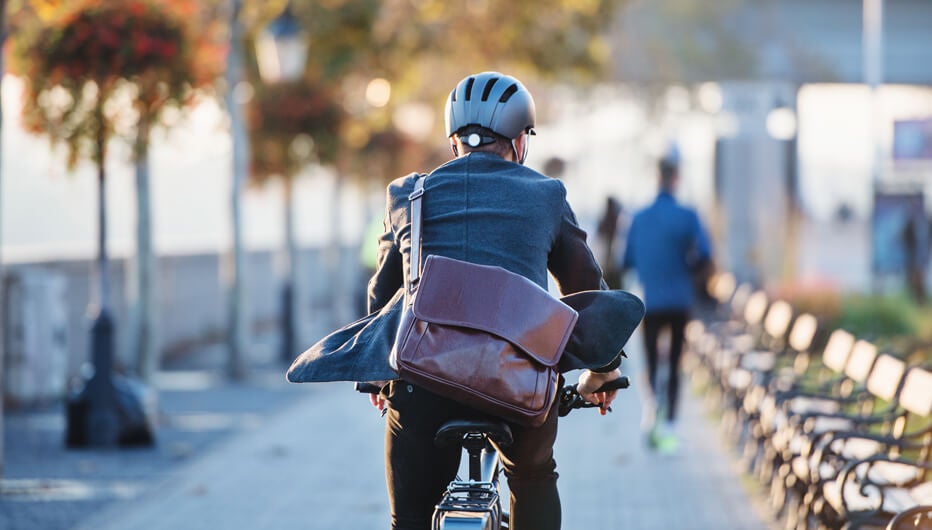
[[872, 55], [2, 316], [236, 93], [281, 51]]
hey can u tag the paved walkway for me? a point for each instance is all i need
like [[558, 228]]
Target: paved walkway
[[318, 465]]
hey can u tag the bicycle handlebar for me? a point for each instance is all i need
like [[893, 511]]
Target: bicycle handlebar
[[569, 397]]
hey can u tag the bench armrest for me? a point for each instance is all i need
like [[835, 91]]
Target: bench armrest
[[858, 472], [804, 420]]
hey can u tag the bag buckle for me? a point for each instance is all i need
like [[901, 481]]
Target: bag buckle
[[416, 194]]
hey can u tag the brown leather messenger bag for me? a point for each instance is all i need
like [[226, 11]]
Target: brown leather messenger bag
[[480, 335]]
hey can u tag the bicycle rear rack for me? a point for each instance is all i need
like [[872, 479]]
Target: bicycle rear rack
[[469, 505]]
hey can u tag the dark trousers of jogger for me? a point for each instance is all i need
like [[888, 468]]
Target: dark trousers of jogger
[[653, 324], [417, 471]]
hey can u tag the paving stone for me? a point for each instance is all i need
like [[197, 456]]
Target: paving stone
[[318, 465]]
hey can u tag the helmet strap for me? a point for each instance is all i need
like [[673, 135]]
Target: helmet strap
[[523, 156]]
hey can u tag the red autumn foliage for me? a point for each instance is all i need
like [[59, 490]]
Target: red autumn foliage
[[152, 45]]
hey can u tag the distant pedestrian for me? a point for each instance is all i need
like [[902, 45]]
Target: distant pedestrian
[[606, 243], [915, 241], [666, 246]]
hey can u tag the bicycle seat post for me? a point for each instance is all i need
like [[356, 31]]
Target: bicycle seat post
[[474, 443]]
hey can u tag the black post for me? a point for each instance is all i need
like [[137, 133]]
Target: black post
[[101, 422], [100, 414]]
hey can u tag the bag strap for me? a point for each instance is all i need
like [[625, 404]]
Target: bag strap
[[414, 274]]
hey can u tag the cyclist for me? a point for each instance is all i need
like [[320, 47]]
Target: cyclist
[[486, 207]]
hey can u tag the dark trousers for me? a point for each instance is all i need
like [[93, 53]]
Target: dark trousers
[[417, 471], [654, 323]]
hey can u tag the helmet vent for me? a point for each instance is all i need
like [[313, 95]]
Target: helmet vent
[[469, 87], [488, 88], [506, 95], [453, 95]]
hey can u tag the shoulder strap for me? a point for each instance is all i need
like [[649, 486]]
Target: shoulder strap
[[415, 199]]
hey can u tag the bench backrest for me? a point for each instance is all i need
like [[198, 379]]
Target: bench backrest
[[740, 299], [778, 319], [803, 332], [915, 399], [861, 360], [722, 287], [886, 376], [755, 308], [916, 395], [837, 350]]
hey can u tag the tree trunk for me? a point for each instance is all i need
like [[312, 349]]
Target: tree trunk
[[340, 306], [142, 288], [289, 278], [235, 261], [103, 261]]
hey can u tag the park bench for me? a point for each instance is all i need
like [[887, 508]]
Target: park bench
[[800, 416], [789, 364], [707, 339], [829, 436], [743, 372], [739, 358], [820, 434], [797, 391], [897, 474], [796, 415], [726, 318], [722, 287], [723, 346], [830, 441]]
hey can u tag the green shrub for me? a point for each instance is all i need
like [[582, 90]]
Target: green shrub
[[878, 318]]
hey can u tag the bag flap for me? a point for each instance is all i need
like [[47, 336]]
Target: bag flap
[[497, 301]]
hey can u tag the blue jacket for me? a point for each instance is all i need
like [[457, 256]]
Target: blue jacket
[[666, 243], [486, 210]]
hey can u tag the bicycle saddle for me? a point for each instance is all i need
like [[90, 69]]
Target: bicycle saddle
[[453, 431]]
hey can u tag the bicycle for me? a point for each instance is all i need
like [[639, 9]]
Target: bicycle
[[475, 503]]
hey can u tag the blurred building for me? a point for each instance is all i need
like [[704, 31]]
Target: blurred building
[[796, 130]]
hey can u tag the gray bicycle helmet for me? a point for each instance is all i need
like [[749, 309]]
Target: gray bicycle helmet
[[492, 100]]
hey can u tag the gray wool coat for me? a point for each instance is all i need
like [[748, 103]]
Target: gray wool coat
[[482, 209]]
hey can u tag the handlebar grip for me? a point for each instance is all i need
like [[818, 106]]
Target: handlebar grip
[[615, 384], [367, 388]]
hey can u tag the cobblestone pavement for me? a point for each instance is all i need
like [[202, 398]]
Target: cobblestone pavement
[[48, 487]]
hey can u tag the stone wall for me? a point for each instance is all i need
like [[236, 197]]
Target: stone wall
[[49, 307]]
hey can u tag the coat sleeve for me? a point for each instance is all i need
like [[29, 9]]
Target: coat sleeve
[[389, 275], [571, 261], [701, 248], [596, 342]]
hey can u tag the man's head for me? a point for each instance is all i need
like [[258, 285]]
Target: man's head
[[490, 112], [669, 169]]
